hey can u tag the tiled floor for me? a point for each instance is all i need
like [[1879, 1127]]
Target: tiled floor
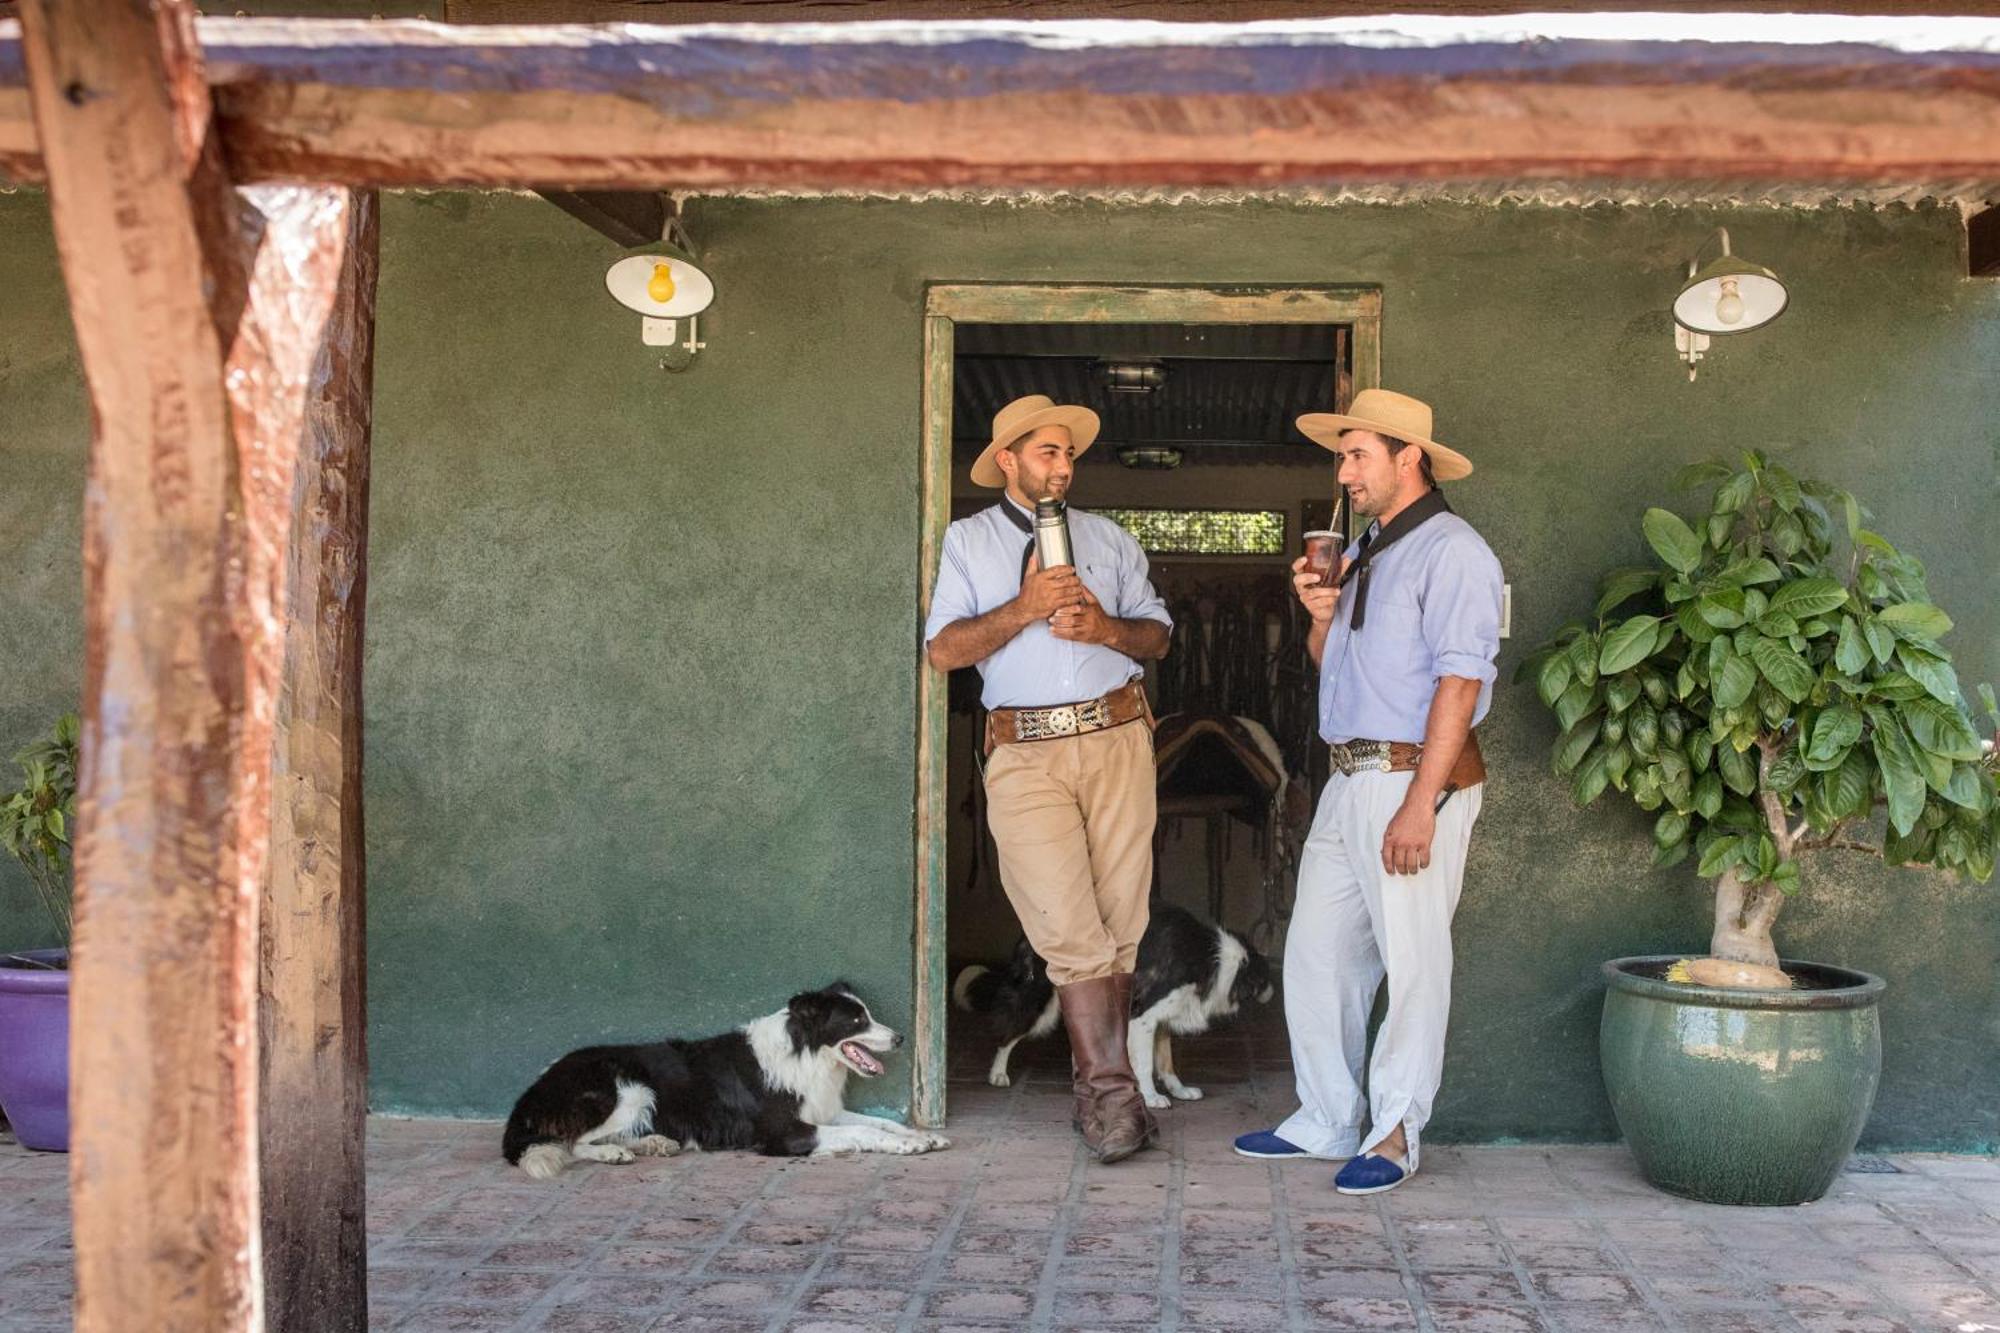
[[1013, 1228]]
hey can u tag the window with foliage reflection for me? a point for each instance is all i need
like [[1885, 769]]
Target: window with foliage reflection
[[1203, 531]]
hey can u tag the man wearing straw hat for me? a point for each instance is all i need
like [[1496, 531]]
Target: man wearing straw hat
[[1069, 768], [1405, 631]]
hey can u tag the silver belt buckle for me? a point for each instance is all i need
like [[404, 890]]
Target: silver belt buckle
[[1041, 724], [1353, 757]]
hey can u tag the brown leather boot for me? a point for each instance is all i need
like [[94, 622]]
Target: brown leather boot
[[1110, 1114]]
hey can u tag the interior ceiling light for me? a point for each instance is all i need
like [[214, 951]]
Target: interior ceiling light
[[1131, 376], [1150, 457]]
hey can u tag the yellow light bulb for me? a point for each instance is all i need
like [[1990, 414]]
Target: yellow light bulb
[[661, 285], [1729, 306]]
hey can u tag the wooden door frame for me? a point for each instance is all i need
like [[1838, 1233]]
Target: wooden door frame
[[946, 305]]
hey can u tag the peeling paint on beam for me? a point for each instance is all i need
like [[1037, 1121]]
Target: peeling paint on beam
[[906, 105]]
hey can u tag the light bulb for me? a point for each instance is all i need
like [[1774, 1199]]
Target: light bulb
[[661, 286], [1729, 306]]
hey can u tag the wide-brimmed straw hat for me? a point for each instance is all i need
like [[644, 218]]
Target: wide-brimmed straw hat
[[1027, 414], [1396, 415]]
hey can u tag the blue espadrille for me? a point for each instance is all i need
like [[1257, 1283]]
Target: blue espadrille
[[1370, 1174], [1265, 1144]]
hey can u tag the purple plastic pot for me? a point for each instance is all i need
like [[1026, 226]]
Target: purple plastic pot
[[34, 1048]]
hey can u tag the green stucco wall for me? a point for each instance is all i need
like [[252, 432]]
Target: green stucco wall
[[640, 675]]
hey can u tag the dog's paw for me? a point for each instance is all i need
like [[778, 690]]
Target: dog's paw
[[1000, 1080], [1182, 1092], [656, 1145], [611, 1154], [933, 1143], [1157, 1102]]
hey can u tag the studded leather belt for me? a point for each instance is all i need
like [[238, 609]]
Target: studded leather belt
[[1008, 726], [1351, 757]]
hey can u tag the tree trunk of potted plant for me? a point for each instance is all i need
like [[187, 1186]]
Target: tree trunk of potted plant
[[1767, 700]]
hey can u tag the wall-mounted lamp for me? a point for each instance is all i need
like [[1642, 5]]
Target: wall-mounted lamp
[[1731, 295], [665, 287], [1131, 376], [1149, 457]]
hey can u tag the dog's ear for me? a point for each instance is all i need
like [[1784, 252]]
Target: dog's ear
[[841, 988]]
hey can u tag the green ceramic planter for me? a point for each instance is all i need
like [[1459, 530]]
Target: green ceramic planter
[[1740, 1096]]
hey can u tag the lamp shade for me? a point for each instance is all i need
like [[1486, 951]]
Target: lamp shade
[[1703, 302], [637, 283]]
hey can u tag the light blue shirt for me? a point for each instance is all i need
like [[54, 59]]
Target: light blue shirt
[[1433, 610], [980, 570]]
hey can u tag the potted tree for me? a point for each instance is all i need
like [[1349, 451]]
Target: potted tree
[[34, 983], [1774, 688]]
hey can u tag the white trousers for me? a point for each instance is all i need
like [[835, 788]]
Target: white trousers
[[1352, 922]]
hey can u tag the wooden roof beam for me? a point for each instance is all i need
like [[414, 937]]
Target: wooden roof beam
[[1802, 98]]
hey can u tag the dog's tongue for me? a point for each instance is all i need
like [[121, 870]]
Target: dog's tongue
[[861, 1056]]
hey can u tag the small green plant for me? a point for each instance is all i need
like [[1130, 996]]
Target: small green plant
[[1767, 694], [35, 821]]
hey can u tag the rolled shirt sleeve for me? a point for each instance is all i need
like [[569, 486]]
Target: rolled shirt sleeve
[[1137, 598], [1461, 612]]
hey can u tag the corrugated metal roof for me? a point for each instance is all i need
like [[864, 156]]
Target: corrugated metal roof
[[1230, 392]]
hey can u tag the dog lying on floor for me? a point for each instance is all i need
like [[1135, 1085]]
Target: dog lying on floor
[[774, 1085], [1190, 974]]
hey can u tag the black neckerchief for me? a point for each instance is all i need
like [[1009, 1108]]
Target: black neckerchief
[[1021, 521], [1402, 525]]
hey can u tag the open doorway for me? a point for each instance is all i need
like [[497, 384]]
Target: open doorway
[[1197, 389]]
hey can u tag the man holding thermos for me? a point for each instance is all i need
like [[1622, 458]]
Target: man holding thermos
[[1056, 610]]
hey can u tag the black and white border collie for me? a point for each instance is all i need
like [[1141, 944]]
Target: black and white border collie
[[1190, 975], [774, 1085]]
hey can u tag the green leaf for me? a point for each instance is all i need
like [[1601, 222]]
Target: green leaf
[[1920, 619], [1592, 778], [1833, 733], [1739, 769], [1670, 828], [1776, 625], [1577, 700], [1583, 658], [1850, 789], [1930, 671], [1731, 495], [1688, 616], [1881, 640], [1992, 705], [1802, 598], [1576, 742], [1733, 683], [1719, 526], [1619, 692], [1700, 474], [1643, 730], [1701, 750], [1723, 610], [1969, 787], [1720, 856], [1708, 794], [1622, 585], [1785, 669], [1902, 781], [1851, 654], [1553, 679], [1670, 856], [1941, 729], [1782, 487], [1628, 645], [1672, 539], [1787, 771]]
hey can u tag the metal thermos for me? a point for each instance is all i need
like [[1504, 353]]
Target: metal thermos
[[1052, 534]]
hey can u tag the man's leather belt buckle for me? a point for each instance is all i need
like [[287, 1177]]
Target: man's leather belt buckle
[[1351, 757], [1005, 726]]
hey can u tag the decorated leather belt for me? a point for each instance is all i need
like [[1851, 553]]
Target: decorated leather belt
[[1007, 726], [1351, 757]]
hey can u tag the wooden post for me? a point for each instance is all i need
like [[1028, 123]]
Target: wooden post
[[198, 321], [314, 1026]]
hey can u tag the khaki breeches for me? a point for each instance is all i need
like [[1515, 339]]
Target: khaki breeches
[[1073, 820]]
